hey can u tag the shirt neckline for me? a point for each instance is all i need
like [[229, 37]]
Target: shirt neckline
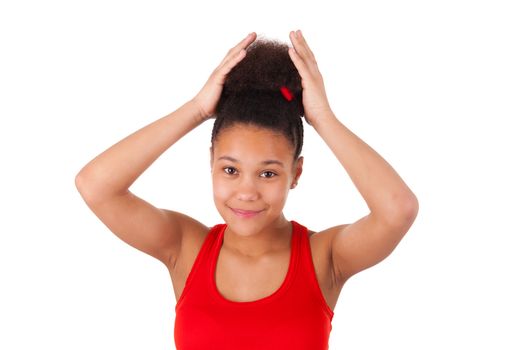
[[282, 288]]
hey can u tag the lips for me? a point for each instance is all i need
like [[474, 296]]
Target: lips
[[245, 213]]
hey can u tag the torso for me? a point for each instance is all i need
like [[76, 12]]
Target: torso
[[268, 274]]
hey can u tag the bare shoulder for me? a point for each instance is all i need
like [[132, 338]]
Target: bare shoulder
[[321, 248], [364, 243], [326, 240], [324, 237], [192, 232]]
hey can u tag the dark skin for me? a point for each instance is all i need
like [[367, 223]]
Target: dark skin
[[339, 251], [393, 207], [242, 180]]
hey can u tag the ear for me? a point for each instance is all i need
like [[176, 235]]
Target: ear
[[298, 171]]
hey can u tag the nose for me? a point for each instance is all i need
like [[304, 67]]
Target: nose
[[247, 190]]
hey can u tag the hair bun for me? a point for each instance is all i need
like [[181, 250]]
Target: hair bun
[[267, 66], [252, 93]]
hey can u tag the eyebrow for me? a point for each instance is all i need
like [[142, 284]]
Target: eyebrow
[[264, 162]]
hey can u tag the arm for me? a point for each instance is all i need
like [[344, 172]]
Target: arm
[[104, 182], [104, 185], [113, 171], [393, 206], [386, 194]]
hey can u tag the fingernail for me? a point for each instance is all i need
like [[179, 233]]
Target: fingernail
[[299, 33]]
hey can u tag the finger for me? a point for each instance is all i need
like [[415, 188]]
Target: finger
[[243, 44], [229, 64], [302, 48], [299, 63], [298, 45], [222, 71], [303, 41]]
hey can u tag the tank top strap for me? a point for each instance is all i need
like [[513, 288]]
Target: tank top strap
[[306, 283], [277, 296], [295, 316], [301, 281], [196, 282]]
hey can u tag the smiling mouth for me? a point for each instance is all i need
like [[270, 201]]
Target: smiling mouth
[[245, 213]]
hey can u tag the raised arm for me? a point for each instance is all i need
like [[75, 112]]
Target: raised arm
[[104, 182], [104, 185], [393, 206]]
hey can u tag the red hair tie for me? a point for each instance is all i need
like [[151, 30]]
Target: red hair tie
[[286, 93]]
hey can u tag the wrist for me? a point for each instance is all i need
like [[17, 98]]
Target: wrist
[[199, 113], [322, 118]]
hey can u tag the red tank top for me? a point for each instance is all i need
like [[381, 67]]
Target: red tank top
[[295, 316]]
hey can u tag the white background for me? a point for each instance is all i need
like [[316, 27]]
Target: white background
[[437, 88]]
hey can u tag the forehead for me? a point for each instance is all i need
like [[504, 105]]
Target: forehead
[[246, 141]]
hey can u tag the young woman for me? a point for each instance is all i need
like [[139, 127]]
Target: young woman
[[258, 280]]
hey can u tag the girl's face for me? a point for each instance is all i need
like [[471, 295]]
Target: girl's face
[[252, 172]]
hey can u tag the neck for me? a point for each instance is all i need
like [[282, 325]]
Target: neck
[[274, 237]]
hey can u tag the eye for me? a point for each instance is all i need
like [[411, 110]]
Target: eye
[[227, 170], [271, 174]]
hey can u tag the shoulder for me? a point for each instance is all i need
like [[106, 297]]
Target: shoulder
[[325, 236], [321, 250], [195, 236], [323, 239], [192, 232]]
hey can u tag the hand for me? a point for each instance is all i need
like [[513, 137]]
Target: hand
[[209, 95], [315, 102]]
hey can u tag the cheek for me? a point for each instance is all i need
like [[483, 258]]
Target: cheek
[[276, 193], [221, 189]]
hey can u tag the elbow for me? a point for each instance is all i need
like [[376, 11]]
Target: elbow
[[81, 179], [94, 188], [87, 187], [402, 212], [408, 210], [79, 182], [410, 207], [81, 186]]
